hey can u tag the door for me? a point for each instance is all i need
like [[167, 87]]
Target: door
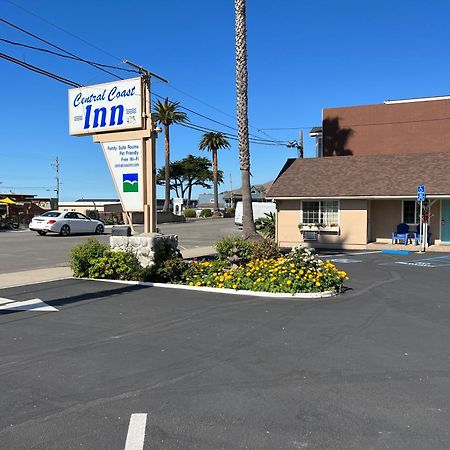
[[445, 222], [84, 224]]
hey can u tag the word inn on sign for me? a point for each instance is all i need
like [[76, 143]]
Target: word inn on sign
[[106, 107]]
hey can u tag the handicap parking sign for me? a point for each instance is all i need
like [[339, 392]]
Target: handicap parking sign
[[421, 193]]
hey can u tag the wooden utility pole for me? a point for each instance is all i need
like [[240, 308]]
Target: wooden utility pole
[[58, 183]]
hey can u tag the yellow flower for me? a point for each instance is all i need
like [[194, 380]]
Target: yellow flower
[[317, 284], [289, 282], [234, 286]]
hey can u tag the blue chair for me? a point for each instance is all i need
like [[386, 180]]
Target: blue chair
[[417, 236], [402, 234]]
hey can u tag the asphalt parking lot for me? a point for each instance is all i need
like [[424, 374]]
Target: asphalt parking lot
[[25, 250], [366, 370]]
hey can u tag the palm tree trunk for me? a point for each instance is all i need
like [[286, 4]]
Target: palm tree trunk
[[248, 223], [215, 183], [167, 168]]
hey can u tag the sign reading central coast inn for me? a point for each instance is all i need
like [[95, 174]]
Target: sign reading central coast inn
[[115, 106]]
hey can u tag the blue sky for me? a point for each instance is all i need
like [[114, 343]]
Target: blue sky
[[303, 56]]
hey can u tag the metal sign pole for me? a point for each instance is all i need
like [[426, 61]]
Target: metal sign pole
[[420, 227]]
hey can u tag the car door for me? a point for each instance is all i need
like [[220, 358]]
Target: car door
[[68, 219], [84, 223]]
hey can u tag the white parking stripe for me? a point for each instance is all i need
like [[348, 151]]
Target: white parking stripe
[[136, 432], [5, 300], [350, 254]]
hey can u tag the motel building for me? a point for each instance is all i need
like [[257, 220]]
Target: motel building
[[363, 183]]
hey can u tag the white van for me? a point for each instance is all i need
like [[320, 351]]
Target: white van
[[259, 210]]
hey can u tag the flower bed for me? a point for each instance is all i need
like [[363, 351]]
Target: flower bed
[[299, 271], [257, 267]]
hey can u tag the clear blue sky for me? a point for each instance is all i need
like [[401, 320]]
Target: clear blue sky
[[303, 56]]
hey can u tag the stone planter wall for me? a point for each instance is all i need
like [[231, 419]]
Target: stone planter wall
[[144, 247]]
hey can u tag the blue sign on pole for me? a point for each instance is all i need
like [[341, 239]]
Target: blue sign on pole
[[421, 193]]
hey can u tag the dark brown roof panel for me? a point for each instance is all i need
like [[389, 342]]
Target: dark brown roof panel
[[365, 176]]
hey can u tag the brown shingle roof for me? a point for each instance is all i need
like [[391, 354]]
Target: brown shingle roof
[[364, 176]]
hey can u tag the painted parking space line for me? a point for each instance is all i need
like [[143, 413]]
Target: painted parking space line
[[35, 304], [345, 260], [5, 300], [435, 261], [337, 255], [136, 432]]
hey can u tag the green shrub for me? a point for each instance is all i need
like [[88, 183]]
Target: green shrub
[[206, 213], [265, 249], [116, 266], [168, 271], [164, 251], [229, 212], [228, 244], [266, 225], [190, 213], [112, 220], [80, 256]]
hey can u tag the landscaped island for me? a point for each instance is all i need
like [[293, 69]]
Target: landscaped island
[[240, 265]]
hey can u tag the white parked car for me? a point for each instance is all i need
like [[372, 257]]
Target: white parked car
[[65, 223]]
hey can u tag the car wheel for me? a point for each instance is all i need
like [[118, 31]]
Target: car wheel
[[42, 233], [100, 229], [65, 230]]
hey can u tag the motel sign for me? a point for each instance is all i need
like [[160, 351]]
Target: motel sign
[[115, 106]]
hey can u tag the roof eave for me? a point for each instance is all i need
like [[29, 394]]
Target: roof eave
[[357, 197]]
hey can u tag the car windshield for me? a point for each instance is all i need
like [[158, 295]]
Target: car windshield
[[51, 214]]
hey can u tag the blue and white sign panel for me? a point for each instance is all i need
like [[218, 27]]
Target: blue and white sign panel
[[421, 193], [125, 164], [104, 107]]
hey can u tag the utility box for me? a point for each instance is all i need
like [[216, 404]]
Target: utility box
[[121, 230]]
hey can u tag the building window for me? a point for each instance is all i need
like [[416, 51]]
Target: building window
[[321, 211], [411, 210]]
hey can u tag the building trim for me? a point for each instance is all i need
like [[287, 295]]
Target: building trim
[[362, 197]]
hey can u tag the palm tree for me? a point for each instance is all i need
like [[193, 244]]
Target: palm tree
[[168, 113], [214, 141], [248, 223]]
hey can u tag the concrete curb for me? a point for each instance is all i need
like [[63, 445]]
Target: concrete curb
[[306, 295], [28, 277]]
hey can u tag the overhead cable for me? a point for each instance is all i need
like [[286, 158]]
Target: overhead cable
[[39, 70], [58, 48], [40, 49]]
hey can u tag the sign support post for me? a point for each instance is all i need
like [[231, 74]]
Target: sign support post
[[118, 115], [422, 235]]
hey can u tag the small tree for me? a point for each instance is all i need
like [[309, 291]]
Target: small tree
[[187, 173], [168, 113], [214, 141]]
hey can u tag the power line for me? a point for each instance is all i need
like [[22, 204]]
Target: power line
[[63, 30], [290, 128], [100, 67], [260, 130], [219, 123], [61, 55], [230, 136], [39, 70], [58, 48]]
